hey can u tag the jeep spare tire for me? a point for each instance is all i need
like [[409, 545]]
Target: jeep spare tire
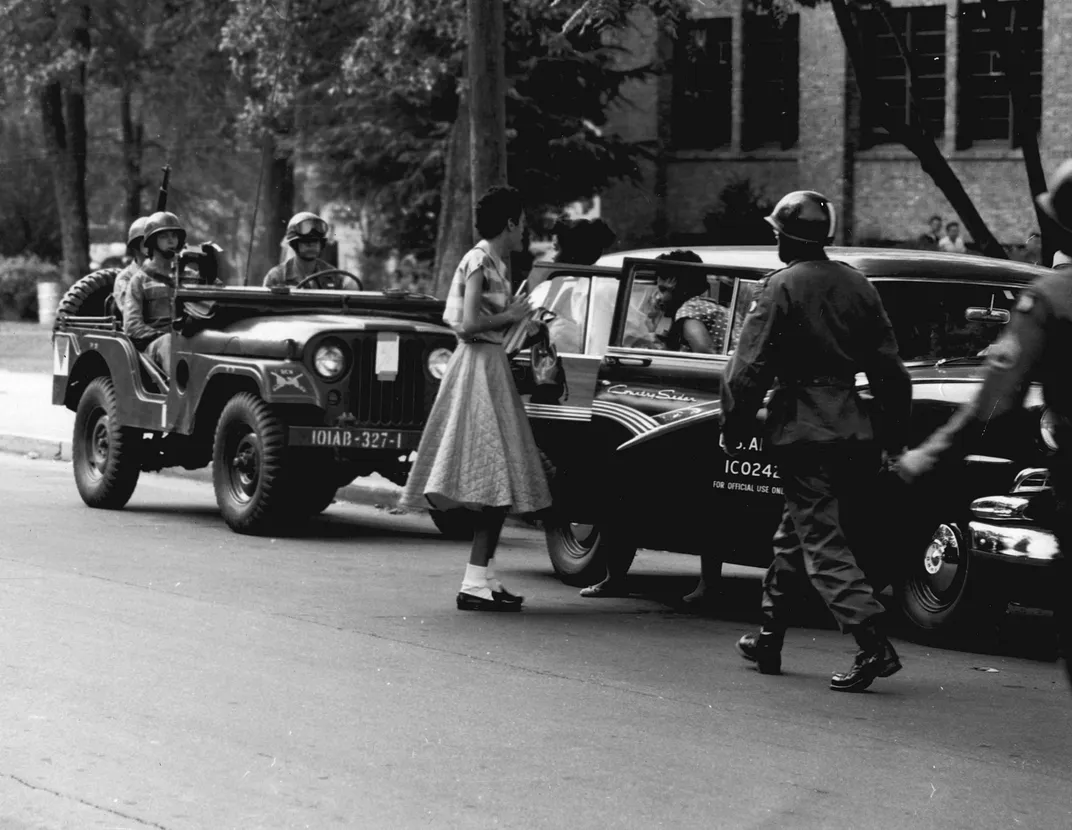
[[87, 297], [106, 456], [249, 469]]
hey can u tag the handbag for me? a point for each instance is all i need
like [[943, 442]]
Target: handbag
[[548, 375]]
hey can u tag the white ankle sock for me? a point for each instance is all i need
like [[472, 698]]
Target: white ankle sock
[[476, 581]]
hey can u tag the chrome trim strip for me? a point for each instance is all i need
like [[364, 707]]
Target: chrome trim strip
[[672, 426], [555, 412], [987, 459], [636, 422], [1027, 473]]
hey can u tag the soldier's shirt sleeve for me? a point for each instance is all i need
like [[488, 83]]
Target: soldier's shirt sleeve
[[273, 277], [134, 312], [751, 370], [1010, 366], [890, 382]]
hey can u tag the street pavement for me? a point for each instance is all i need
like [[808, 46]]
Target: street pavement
[[159, 671]]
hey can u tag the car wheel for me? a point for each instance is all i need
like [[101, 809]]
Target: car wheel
[[106, 455], [249, 466], [579, 552], [454, 524], [945, 591]]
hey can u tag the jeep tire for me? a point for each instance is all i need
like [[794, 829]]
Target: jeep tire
[[947, 592], [249, 469], [89, 296], [106, 456], [579, 553]]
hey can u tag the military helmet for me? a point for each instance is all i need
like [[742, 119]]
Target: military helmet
[[136, 234], [161, 221], [805, 216], [1057, 201], [306, 227]]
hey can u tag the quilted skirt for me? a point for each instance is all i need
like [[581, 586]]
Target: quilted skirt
[[477, 448]]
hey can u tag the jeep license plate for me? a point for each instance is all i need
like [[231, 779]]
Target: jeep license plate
[[354, 439]]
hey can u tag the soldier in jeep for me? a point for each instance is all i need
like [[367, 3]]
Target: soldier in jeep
[[307, 235], [135, 237], [147, 303]]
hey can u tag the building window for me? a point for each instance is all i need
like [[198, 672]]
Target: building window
[[985, 110], [771, 87], [922, 31], [702, 108]]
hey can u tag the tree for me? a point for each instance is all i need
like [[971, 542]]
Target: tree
[[52, 40]]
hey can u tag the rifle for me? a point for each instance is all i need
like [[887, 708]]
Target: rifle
[[161, 196]]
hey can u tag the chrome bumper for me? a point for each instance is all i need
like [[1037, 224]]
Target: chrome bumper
[[1011, 543]]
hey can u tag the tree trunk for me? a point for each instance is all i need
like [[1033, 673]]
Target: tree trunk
[[914, 136], [68, 181], [487, 95], [133, 134], [1014, 66], [273, 208], [454, 236]]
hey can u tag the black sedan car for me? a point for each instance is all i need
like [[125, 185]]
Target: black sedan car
[[635, 442]]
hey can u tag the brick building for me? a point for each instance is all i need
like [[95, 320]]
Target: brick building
[[745, 96]]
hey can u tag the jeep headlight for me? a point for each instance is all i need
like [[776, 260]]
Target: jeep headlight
[[330, 359], [1048, 429], [437, 362]]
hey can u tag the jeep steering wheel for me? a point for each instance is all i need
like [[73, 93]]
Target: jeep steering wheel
[[314, 279]]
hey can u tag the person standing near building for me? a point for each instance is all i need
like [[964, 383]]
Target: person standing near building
[[811, 328], [952, 242], [928, 241], [1034, 346], [477, 450]]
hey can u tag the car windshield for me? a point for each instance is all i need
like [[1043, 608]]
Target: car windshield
[[931, 319]]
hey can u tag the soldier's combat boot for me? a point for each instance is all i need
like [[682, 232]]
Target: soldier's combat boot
[[764, 649], [876, 658]]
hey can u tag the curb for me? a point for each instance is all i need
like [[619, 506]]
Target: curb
[[55, 450]]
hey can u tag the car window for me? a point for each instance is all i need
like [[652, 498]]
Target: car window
[[931, 320], [648, 326], [567, 297]]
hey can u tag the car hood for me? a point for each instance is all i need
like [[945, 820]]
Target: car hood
[[269, 336]]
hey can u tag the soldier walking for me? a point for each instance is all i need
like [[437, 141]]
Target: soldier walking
[[1035, 345], [812, 327]]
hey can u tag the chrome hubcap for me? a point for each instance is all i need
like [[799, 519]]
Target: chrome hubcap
[[942, 558]]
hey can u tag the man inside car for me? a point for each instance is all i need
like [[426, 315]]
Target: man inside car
[[307, 236]]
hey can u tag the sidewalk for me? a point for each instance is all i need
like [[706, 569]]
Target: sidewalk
[[30, 424]]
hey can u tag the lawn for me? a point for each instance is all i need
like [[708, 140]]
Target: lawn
[[25, 347]]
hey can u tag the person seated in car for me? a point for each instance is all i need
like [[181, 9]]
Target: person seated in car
[[699, 323], [307, 235], [148, 298], [135, 236]]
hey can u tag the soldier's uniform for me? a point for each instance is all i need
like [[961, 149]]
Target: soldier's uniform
[[288, 273], [134, 239], [811, 328], [147, 312]]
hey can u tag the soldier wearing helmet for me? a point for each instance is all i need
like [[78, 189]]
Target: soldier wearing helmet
[[134, 239], [811, 328], [1035, 346], [148, 299], [307, 234]]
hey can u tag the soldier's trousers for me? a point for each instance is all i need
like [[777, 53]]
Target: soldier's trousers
[[827, 492]]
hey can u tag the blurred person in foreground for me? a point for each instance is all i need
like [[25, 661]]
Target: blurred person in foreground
[[1035, 346]]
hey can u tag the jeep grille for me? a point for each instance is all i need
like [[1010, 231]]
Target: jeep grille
[[398, 403]]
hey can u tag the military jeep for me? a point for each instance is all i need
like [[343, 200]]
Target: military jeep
[[289, 394]]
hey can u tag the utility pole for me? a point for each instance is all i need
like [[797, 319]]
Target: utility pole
[[487, 95]]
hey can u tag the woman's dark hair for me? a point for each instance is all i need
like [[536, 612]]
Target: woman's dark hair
[[690, 283], [582, 241], [496, 207]]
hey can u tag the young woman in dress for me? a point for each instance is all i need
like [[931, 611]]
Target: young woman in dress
[[477, 450]]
